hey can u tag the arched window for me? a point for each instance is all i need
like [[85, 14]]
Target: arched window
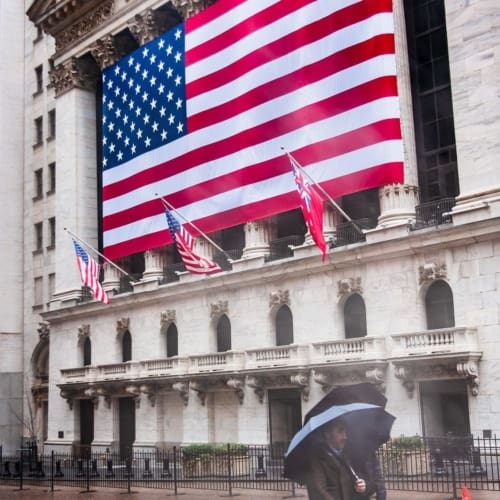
[[87, 352], [223, 334], [354, 317], [172, 343], [126, 346], [439, 306], [284, 326]]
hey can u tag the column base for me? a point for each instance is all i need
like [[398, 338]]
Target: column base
[[476, 206]]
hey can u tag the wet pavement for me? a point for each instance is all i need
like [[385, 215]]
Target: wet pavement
[[65, 493]]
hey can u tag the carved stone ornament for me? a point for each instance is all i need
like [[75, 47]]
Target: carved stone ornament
[[430, 272], [70, 75], [238, 385], [183, 389], [470, 370], [189, 8], [257, 385], [167, 317], [376, 376], [135, 392], [68, 396], [279, 298], [323, 379], [104, 52], [43, 330], [83, 331], [407, 378], [144, 27], [302, 381], [93, 394], [150, 392], [348, 286], [218, 308], [200, 390], [122, 325]]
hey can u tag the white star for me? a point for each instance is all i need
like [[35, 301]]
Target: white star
[[153, 104], [137, 88], [161, 65], [131, 61], [163, 135], [104, 161], [130, 83], [163, 109], [112, 148], [169, 50], [145, 52], [110, 105], [178, 80], [120, 156], [145, 96], [110, 84], [137, 68], [104, 140], [131, 104], [171, 119], [178, 34], [127, 141], [170, 72], [180, 127], [111, 126], [133, 148], [145, 74], [117, 91], [147, 142], [125, 120], [124, 98], [124, 76], [138, 111], [161, 43], [146, 119], [139, 133], [152, 59], [132, 126], [119, 134], [118, 112], [178, 56], [161, 88], [170, 95], [152, 82], [117, 70], [178, 103], [155, 127]]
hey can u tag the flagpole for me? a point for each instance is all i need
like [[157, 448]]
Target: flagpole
[[196, 228], [320, 187], [73, 235]]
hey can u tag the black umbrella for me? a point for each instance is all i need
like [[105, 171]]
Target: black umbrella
[[364, 392], [367, 426]]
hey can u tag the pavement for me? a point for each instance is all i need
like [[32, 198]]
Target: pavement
[[65, 493]]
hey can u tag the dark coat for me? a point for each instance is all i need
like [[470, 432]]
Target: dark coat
[[375, 482], [328, 477]]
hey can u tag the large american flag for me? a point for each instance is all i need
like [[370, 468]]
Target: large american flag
[[200, 115], [89, 272]]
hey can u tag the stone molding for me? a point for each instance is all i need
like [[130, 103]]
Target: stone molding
[[219, 308], [189, 8], [238, 385], [348, 286], [69, 75], [279, 298], [122, 325], [43, 330], [83, 331], [430, 272], [104, 51], [167, 317], [183, 389]]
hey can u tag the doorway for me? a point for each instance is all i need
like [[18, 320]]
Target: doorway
[[86, 426], [285, 418], [127, 426]]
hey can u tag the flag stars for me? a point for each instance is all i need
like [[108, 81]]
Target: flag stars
[[147, 142], [111, 126], [177, 57], [137, 67], [169, 50], [152, 81], [145, 74], [180, 127], [137, 89], [152, 59], [126, 141], [130, 83], [170, 95], [123, 76], [138, 111], [178, 103], [119, 156], [178, 80], [145, 96], [104, 162], [131, 61], [110, 84], [170, 72], [117, 91], [125, 120], [161, 43], [163, 110], [164, 135], [112, 148], [145, 52], [132, 126], [133, 149], [117, 70], [153, 103], [146, 119], [110, 105], [119, 134], [155, 126], [161, 66], [124, 98], [139, 134], [161, 88], [131, 105], [178, 34], [171, 119], [118, 112]]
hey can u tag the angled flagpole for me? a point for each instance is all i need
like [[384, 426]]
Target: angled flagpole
[[328, 197], [196, 228], [90, 247]]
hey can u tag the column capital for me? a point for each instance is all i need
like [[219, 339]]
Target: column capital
[[69, 75], [189, 8]]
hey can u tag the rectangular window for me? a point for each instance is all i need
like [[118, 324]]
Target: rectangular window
[[38, 236], [38, 292], [52, 285], [52, 232], [52, 178], [39, 79], [38, 180], [38, 131], [52, 124]]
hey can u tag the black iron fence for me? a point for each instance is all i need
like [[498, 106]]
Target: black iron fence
[[411, 464]]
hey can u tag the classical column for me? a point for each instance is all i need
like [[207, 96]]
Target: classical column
[[146, 433], [398, 201], [189, 8], [258, 234], [111, 279], [76, 206], [331, 219], [155, 260]]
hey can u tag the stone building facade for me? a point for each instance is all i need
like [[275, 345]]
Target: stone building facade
[[412, 306]]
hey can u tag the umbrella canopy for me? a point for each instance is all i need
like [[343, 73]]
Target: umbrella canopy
[[365, 392], [367, 425]]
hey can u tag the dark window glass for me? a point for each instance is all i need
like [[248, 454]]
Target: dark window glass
[[87, 352], [38, 236], [52, 178], [39, 79], [38, 183], [439, 306], [52, 123], [172, 341], [38, 131], [223, 334], [284, 326], [52, 232], [126, 346], [354, 317]]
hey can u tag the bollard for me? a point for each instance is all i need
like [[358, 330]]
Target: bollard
[[59, 472], [109, 469], [17, 469], [477, 468], [166, 468], [260, 472], [6, 469], [79, 470], [439, 469], [147, 473], [94, 472], [39, 469]]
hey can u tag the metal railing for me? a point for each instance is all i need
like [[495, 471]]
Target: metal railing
[[433, 213], [280, 248], [224, 258], [347, 233], [441, 464]]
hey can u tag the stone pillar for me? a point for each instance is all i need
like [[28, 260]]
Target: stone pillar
[[103, 423], [146, 428], [475, 80], [258, 234], [155, 261], [397, 201], [76, 206], [331, 219], [111, 279]]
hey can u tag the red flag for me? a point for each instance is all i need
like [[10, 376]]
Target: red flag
[[312, 208], [185, 243], [199, 114], [89, 272]]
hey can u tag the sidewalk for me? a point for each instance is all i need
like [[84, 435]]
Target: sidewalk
[[65, 493]]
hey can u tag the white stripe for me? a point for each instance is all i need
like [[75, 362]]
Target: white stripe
[[356, 75], [351, 120], [275, 68], [361, 159]]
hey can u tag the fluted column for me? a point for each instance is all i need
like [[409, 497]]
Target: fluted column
[[258, 234], [155, 261], [398, 201]]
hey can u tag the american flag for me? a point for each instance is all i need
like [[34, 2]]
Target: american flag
[[89, 272], [200, 115], [185, 244], [312, 208]]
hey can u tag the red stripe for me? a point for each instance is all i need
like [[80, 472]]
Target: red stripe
[[239, 31], [330, 148], [299, 38], [217, 10], [377, 46], [365, 179], [367, 92]]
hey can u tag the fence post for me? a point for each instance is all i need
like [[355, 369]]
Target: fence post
[[52, 470], [21, 467], [477, 468], [109, 468], [166, 467], [229, 472], [129, 472], [175, 470], [260, 473], [147, 472]]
